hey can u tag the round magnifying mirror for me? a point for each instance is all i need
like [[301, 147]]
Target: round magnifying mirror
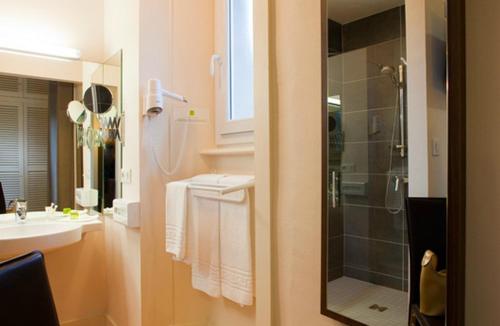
[[98, 99], [76, 112]]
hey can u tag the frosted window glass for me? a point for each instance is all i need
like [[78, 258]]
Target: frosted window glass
[[240, 59]]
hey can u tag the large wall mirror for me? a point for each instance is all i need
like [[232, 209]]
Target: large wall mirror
[[56, 136], [385, 161]]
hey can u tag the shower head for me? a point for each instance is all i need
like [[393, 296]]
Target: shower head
[[387, 70], [391, 72]]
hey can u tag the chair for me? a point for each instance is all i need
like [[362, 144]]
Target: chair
[[25, 295], [426, 219], [3, 208]]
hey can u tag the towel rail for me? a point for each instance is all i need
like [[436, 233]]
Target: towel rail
[[221, 189]]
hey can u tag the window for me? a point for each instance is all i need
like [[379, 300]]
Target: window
[[235, 94], [240, 59]]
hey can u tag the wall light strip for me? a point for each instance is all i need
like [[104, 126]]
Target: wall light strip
[[334, 100], [39, 49]]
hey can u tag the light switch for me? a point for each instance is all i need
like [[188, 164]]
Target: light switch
[[126, 176], [436, 148]]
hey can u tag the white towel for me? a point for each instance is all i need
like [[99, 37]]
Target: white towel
[[236, 244], [207, 178], [204, 248], [176, 216]]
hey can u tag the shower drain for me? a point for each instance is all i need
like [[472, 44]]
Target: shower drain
[[377, 307]]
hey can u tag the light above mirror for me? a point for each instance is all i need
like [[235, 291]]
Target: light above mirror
[[39, 49]]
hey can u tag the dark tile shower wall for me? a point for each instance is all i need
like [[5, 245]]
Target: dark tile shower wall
[[366, 241], [387, 25]]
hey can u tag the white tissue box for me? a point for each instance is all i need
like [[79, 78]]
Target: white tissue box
[[126, 213]]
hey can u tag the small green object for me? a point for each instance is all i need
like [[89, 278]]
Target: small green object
[[67, 211], [192, 113], [74, 215]]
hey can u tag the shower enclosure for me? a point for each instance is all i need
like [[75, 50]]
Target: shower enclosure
[[367, 166]]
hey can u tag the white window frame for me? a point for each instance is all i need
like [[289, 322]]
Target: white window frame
[[227, 131]]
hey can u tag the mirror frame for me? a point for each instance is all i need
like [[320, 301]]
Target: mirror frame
[[456, 222]]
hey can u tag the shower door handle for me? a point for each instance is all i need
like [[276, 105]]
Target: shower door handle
[[334, 189]]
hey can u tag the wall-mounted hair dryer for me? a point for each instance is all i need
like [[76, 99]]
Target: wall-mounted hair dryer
[[154, 104]]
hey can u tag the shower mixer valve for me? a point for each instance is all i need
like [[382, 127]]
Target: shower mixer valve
[[398, 180], [402, 149]]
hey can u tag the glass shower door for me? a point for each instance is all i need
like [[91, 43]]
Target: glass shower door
[[367, 168]]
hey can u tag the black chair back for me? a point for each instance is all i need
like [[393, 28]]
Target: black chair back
[[426, 219], [25, 295], [3, 208]]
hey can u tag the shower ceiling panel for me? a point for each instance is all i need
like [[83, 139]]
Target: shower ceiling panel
[[346, 11]]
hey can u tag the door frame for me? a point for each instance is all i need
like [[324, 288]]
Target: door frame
[[456, 219]]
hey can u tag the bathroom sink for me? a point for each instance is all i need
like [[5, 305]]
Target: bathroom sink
[[39, 234], [17, 239]]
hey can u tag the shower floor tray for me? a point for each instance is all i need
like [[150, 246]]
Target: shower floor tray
[[368, 303]]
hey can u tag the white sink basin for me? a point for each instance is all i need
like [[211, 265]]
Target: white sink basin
[[39, 233], [17, 239]]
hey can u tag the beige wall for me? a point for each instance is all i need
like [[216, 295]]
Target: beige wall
[[156, 268], [296, 161], [123, 256], [483, 162], [418, 138], [76, 24], [123, 264], [176, 48], [427, 114]]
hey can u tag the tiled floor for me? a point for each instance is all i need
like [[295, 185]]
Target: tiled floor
[[353, 298]]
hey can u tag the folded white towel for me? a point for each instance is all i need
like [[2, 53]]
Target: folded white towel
[[204, 238], [176, 216], [235, 243], [218, 242], [207, 178]]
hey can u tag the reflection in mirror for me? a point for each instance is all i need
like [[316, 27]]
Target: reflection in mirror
[[48, 139], [37, 153], [107, 157], [376, 161], [98, 99], [99, 136], [76, 112]]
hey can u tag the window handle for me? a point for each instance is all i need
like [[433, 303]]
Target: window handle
[[216, 59]]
